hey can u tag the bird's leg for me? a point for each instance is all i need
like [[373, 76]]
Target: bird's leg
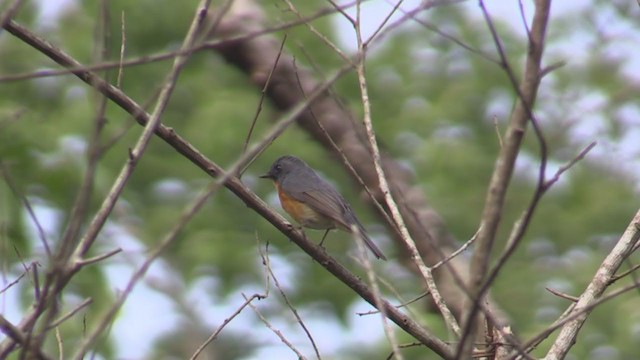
[[324, 236]]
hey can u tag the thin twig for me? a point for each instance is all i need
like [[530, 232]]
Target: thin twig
[[388, 197], [263, 93], [143, 60], [18, 337], [274, 330], [570, 315], [86, 302], [60, 345], [386, 19], [244, 193], [458, 251], [501, 177], [561, 294], [320, 35], [552, 67], [27, 205], [373, 282], [127, 170], [10, 12], [295, 313], [613, 279], [523, 17], [11, 284], [226, 321], [562, 169], [593, 293], [425, 4], [123, 45], [399, 306], [98, 258]]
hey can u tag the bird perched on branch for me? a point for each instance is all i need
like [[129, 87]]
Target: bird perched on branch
[[313, 202]]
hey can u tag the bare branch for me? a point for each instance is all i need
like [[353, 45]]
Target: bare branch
[[562, 295], [594, 291], [98, 258], [388, 197], [27, 205], [566, 167], [139, 148], [457, 252], [499, 183], [123, 45], [86, 302], [143, 60], [617, 277], [265, 259], [137, 151], [262, 96], [224, 323], [18, 337], [235, 185], [10, 12], [274, 330]]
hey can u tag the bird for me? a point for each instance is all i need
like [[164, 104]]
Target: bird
[[312, 202]]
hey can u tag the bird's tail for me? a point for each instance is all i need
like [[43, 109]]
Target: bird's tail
[[367, 241]]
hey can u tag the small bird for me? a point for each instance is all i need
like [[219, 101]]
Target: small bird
[[312, 201]]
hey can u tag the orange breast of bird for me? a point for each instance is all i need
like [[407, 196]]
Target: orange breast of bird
[[301, 213]]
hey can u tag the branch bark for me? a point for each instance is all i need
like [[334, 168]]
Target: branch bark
[[235, 186], [327, 121], [602, 279], [501, 177]]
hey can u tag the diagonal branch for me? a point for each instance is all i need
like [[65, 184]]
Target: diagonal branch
[[237, 187], [595, 290], [499, 183]]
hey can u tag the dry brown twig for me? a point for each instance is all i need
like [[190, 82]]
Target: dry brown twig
[[10, 12], [360, 66], [135, 154], [386, 191], [321, 111], [561, 294], [13, 282], [375, 287], [63, 269], [571, 315], [595, 290], [147, 59], [261, 101], [271, 275], [275, 331], [615, 278], [232, 183], [500, 179], [16, 334], [226, 321], [4, 170]]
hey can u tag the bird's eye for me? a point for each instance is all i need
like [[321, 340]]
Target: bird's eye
[[278, 167]]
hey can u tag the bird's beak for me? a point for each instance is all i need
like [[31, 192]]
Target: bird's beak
[[267, 176]]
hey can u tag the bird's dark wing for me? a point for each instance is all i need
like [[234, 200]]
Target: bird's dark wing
[[327, 203]]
